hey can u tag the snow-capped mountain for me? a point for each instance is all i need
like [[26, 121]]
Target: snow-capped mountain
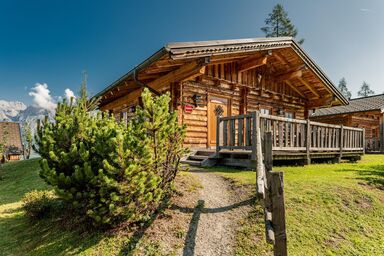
[[9, 110], [16, 111]]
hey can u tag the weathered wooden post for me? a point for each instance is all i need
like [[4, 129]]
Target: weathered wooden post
[[268, 163], [278, 213], [363, 141], [308, 142], [382, 133], [274, 208], [255, 125], [260, 168], [341, 142]]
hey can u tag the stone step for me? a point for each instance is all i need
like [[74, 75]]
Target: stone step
[[205, 153], [197, 157], [191, 162]]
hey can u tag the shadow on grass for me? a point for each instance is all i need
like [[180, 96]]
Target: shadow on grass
[[372, 175], [48, 236]]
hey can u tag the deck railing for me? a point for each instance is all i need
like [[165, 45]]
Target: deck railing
[[294, 135], [372, 145]]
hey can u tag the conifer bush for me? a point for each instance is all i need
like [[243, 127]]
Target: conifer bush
[[111, 171], [38, 204]]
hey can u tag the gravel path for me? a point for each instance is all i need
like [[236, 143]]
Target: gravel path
[[213, 226]]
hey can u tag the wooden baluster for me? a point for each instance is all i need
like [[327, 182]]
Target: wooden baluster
[[248, 132], [225, 133], [218, 120], [274, 132], [341, 142], [232, 132], [240, 132], [286, 134]]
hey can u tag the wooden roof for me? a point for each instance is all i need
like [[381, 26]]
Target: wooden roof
[[186, 60], [365, 104], [12, 133]]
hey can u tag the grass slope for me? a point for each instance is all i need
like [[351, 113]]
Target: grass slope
[[332, 209], [55, 236]]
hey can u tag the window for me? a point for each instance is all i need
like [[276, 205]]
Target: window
[[289, 115], [265, 111]]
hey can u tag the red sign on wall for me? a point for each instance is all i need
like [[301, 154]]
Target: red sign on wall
[[188, 109]]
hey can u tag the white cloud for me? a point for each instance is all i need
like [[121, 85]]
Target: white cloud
[[68, 94], [42, 97], [366, 10]]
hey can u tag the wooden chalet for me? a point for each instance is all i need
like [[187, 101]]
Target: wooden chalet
[[226, 89], [367, 113], [10, 135]]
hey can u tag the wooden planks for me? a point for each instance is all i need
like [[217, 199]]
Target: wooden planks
[[289, 135]]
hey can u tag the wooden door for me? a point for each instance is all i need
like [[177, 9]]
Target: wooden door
[[215, 102]]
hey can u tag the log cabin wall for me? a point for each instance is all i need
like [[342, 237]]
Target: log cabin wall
[[254, 90]]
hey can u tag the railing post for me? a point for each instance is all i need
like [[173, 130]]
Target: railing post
[[382, 133], [217, 135], [256, 125], [308, 142], [363, 141], [341, 142]]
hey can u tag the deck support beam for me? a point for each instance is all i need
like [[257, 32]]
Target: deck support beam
[[382, 133], [308, 142]]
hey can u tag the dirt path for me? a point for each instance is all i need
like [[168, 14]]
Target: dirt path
[[213, 226]]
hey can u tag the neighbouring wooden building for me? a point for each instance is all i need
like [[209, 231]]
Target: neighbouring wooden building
[[10, 136], [367, 113], [273, 76]]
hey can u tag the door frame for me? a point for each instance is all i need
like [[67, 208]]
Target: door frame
[[209, 114]]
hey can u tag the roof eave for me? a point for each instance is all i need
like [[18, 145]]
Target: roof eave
[[157, 55], [317, 70]]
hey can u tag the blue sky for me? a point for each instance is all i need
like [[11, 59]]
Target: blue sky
[[52, 42]]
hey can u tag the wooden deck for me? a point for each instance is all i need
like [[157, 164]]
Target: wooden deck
[[292, 139]]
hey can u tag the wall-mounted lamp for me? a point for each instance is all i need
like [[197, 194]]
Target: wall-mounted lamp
[[197, 100]]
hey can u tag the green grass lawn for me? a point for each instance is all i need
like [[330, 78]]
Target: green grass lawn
[[56, 235], [335, 209], [331, 209]]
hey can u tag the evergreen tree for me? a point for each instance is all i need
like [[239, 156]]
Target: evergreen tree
[[278, 24], [343, 88], [365, 90], [28, 138], [3, 148], [111, 171]]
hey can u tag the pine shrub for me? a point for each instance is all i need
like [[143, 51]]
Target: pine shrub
[[111, 171], [38, 204]]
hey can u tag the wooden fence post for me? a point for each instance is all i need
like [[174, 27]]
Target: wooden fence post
[[308, 142], [274, 209], [255, 124], [268, 163], [278, 213]]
